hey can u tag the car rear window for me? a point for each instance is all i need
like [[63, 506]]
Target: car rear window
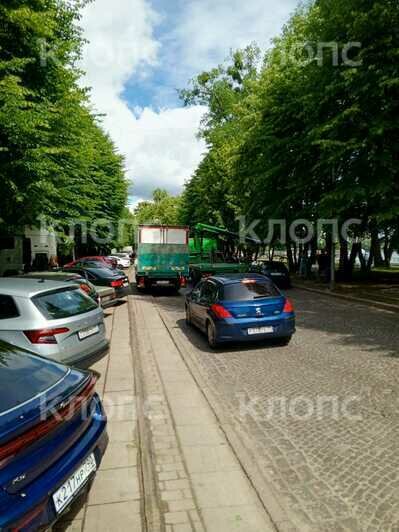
[[8, 308], [22, 376], [63, 303], [245, 291]]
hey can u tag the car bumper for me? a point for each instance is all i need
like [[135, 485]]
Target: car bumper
[[39, 493], [94, 351], [237, 330]]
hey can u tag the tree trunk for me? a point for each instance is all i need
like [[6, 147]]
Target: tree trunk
[[375, 248]]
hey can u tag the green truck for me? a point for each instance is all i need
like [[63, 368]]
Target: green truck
[[211, 252], [162, 256]]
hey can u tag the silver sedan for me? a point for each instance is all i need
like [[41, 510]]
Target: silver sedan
[[53, 319]]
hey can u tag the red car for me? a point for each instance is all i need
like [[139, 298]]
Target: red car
[[109, 263]]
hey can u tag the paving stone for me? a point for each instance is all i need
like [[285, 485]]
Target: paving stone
[[119, 517], [228, 488], [203, 459], [240, 518], [115, 485], [184, 504], [173, 518], [119, 454], [121, 431], [190, 435]]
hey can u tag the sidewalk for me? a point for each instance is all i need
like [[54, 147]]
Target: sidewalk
[[195, 479], [384, 296], [113, 504]]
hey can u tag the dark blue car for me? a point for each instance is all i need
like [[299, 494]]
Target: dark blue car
[[240, 307], [52, 438]]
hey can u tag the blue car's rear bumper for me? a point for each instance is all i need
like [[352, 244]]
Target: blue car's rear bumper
[[14, 508], [232, 329]]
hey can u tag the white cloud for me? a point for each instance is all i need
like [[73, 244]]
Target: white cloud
[[161, 147], [206, 30]]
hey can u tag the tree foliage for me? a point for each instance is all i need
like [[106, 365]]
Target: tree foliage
[[162, 209], [305, 135], [55, 159]]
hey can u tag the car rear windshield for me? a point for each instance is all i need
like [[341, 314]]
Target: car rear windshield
[[23, 376], [245, 291], [63, 303]]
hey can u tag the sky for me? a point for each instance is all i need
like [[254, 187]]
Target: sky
[[139, 52]]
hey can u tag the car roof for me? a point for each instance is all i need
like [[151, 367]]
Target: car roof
[[98, 271], [53, 276], [232, 278], [22, 287]]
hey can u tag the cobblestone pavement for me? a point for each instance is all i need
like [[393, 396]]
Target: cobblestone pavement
[[318, 421]]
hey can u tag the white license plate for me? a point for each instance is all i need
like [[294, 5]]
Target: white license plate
[[163, 283], [261, 330], [64, 495], [85, 333], [277, 274]]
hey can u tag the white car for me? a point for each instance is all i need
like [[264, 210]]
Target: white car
[[122, 260]]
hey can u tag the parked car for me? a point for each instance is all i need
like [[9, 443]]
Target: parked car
[[122, 261], [104, 277], [240, 307], [277, 271], [106, 261], [52, 438], [93, 263], [53, 319], [65, 277], [102, 295]]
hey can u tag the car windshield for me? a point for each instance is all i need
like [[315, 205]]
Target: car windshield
[[22, 376], [249, 290], [63, 303]]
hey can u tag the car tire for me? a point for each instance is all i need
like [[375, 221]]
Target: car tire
[[211, 335], [284, 341]]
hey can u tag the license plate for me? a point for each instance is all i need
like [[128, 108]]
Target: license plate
[[85, 333], [277, 274], [163, 283], [261, 330], [64, 495]]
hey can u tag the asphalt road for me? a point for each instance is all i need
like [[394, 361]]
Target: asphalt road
[[318, 420]]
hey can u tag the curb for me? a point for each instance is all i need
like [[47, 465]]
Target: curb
[[151, 499], [361, 300]]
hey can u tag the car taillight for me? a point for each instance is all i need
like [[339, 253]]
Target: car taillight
[[29, 518], [9, 450], [85, 288], [45, 336], [220, 311], [116, 284], [288, 306]]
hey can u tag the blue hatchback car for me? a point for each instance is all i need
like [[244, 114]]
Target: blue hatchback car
[[240, 307], [52, 438]]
